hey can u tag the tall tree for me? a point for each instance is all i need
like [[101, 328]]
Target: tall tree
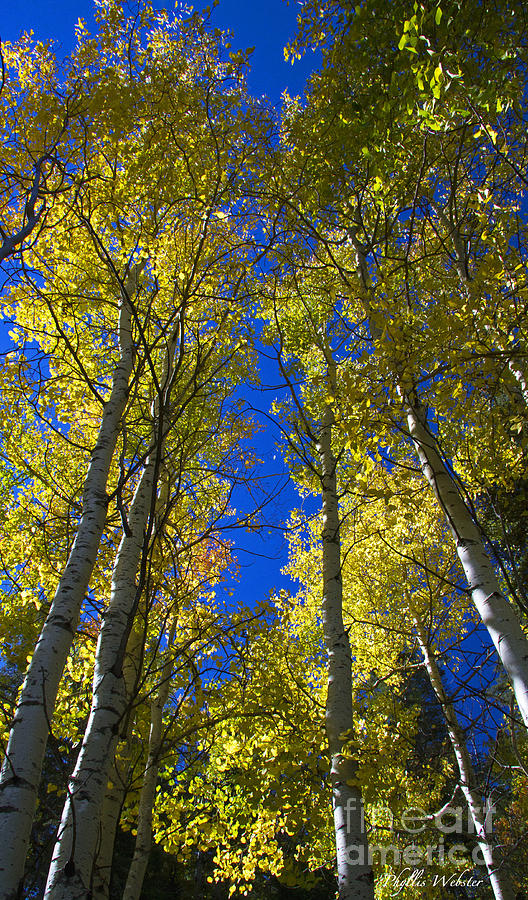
[[305, 334], [401, 208], [149, 257]]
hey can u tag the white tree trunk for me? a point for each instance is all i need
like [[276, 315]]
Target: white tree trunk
[[518, 374], [355, 878], [496, 613], [499, 881], [22, 765], [110, 816], [138, 866], [71, 871], [118, 775]]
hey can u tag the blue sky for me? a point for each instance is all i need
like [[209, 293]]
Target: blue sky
[[266, 25]]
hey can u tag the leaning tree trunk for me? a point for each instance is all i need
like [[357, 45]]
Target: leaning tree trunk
[[355, 878], [499, 881], [518, 375], [71, 870], [138, 866], [496, 613], [119, 775], [22, 767], [111, 813]]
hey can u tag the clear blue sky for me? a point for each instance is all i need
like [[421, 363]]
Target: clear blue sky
[[266, 25]]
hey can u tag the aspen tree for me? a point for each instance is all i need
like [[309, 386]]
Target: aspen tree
[[502, 889], [124, 231], [365, 175], [298, 324]]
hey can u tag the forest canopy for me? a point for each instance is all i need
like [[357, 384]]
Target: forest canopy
[[189, 274]]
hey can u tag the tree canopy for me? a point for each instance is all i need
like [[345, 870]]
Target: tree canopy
[[171, 249]]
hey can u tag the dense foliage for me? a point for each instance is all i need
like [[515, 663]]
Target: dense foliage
[[160, 231]]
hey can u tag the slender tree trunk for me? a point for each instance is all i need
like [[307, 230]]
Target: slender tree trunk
[[518, 374], [138, 866], [355, 878], [499, 881], [71, 871], [111, 813], [496, 613], [21, 770], [118, 776]]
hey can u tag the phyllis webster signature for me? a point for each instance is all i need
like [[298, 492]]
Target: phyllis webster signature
[[421, 878]]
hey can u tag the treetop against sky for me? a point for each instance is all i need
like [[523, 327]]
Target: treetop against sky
[[266, 25], [360, 250]]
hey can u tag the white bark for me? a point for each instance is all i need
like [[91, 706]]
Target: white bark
[[111, 813], [138, 866], [118, 776], [499, 881], [355, 878], [71, 870], [496, 613], [22, 765], [518, 374]]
